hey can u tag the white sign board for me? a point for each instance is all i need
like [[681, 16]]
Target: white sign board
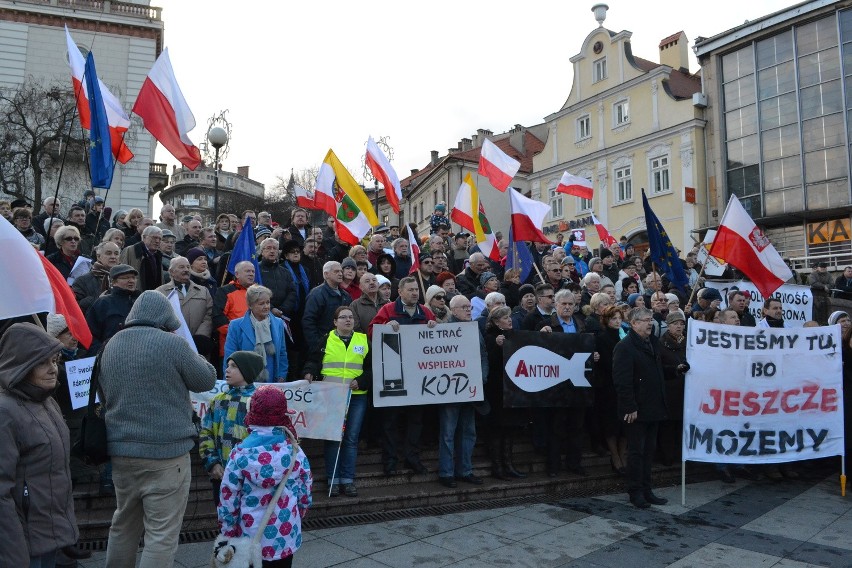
[[318, 408], [797, 301], [756, 395], [419, 365], [79, 373]]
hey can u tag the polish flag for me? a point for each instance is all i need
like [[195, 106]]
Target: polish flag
[[497, 166], [304, 198], [384, 173], [741, 243], [118, 120], [575, 185], [606, 239], [165, 113], [415, 251], [527, 218], [35, 286]]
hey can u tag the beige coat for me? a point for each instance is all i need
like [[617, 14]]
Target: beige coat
[[196, 307]]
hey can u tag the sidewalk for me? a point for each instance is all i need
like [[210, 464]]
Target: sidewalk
[[760, 524]]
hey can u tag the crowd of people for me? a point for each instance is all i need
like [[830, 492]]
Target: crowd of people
[[308, 312]]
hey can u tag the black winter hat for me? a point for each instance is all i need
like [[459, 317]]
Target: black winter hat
[[250, 364]]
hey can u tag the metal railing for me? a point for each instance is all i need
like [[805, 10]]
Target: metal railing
[[105, 6]]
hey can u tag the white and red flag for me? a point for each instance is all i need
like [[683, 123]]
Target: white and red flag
[[496, 165], [414, 244], [118, 120], [384, 173], [166, 114], [528, 218], [607, 240], [741, 243], [35, 285], [575, 185], [467, 201], [304, 198]]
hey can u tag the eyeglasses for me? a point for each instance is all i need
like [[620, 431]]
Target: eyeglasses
[[644, 320], [425, 262], [68, 239], [465, 308], [548, 296], [440, 297]]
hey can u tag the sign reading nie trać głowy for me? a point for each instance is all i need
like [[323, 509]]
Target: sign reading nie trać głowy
[[756, 395]]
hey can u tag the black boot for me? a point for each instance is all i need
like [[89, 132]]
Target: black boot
[[497, 469], [507, 460]]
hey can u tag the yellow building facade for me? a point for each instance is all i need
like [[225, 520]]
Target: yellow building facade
[[628, 124]]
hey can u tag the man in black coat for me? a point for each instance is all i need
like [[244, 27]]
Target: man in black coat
[[639, 378]]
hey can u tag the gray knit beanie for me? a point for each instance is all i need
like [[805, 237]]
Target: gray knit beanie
[[154, 310]]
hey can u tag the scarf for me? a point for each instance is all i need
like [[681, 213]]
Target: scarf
[[303, 285], [263, 345], [101, 272], [205, 276], [440, 313]]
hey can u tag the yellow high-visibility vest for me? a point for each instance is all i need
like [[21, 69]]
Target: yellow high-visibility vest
[[345, 363]]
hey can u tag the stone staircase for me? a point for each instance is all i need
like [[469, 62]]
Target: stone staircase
[[379, 494]]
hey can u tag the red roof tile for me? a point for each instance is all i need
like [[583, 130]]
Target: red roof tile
[[667, 40]]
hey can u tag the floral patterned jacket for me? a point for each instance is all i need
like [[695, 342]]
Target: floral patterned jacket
[[252, 475]]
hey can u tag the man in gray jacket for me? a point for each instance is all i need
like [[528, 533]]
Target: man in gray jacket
[[147, 373]]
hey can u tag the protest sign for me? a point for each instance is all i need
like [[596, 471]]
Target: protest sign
[[756, 395], [546, 369], [318, 408], [78, 374], [419, 365], [797, 301]]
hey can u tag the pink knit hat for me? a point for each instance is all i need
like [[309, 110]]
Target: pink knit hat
[[268, 407]]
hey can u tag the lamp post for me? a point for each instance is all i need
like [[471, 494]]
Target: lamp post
[[218, 138]]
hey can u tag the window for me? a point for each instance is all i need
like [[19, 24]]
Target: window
[[414, 213], [584, 204], [600, 69], [584, 127], [385, 219], [623, 185], [435, 197], [620, 113], [556, 204], [660, 175]]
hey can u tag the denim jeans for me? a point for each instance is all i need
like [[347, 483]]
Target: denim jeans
[[349, 445], [44, 561], [456, 439]]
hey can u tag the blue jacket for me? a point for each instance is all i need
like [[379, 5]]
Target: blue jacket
[[241, 338]]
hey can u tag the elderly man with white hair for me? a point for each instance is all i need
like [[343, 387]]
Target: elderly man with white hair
[[467, 281], [322, 301], [196, 304], [146, 258], [482, 307], [591, 286]]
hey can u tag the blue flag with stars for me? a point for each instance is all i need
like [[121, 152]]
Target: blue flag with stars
[[245, 249], [663, 253], [100, 143], [519, 257]]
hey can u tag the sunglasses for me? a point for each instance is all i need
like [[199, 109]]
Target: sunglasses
[[440, 297], [425, 262], [68, 239]]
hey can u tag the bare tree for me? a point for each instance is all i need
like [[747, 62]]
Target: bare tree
[[36, 117]]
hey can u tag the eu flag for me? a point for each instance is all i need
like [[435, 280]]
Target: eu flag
[[245, 249], [519, 257], [663, 253], [100, 144]]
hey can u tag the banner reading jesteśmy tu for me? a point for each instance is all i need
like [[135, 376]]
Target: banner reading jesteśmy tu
[[757, 395]]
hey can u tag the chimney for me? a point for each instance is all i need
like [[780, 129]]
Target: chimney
[[414, 171], [243, 171], [452, 150], [475, 141], [674, 52], [466, 144], [434, 160]]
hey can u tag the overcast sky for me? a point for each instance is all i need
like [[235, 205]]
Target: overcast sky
[[300, 77]]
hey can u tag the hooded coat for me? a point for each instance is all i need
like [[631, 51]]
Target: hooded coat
[[36, 501]]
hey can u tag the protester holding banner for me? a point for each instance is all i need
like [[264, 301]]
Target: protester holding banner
[[675, 366], [606, 401], [260, 332], [343, 356], [502, 422], [639, 378]]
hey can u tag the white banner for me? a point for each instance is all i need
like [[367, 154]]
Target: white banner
[[419, 365], [797, 301], [319, 407], [757, 395], [79, 373]]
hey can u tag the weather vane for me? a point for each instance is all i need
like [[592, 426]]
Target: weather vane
[[220, 120], [382, 142]]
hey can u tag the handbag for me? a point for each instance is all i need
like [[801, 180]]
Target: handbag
[[245, 552], [92, 444]]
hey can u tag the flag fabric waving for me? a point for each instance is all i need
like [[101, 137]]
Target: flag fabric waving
[[118, 120], [100, 149], [575, 185], [741, 243], [334, 177], [165, 113], [663, 252], [528, 217], [65, 303], [384, 173], [467, 201], [496, 165], [245, 249], [607, 240], [304, 198], [519, 257], [415, 251], [350, 222]]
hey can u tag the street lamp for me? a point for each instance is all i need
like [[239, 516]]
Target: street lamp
[[218, 138]]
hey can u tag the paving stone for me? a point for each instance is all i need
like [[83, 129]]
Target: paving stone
[[511, 526], [521, 555], [319, 553], [422, 527], [549, 514], [821, 555], [808, 522], [468, 541], [368, 539], [760, 542], [716, 555], [418, 554]]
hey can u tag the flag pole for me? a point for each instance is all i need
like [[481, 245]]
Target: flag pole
[[340, 445], [700, 274]]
